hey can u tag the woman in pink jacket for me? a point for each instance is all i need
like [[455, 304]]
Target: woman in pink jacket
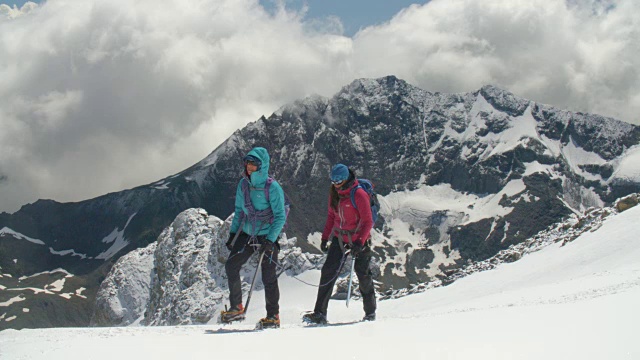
[[347, 228]]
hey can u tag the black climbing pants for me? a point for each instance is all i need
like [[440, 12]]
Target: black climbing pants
[[329, 275], [240, 254]]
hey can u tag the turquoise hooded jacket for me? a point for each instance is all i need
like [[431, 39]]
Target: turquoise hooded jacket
[[256, 190]]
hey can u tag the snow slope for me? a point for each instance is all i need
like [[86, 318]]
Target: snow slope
[[577, 301], [628, 167]]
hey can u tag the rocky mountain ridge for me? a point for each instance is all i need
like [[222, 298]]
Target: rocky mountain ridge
[[562, 232], [461, 176]]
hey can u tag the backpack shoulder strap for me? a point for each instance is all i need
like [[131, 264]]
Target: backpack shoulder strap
[[244, 184], [353, 195], [267, 185]]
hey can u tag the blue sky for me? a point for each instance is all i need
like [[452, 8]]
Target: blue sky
[[11, 3], [354, 14]]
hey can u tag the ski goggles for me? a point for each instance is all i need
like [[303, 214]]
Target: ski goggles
[[252, 160], [337, 182]]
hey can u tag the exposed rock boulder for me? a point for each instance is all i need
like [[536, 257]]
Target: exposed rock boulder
[[186, 287], [627, 202], [124, 294]]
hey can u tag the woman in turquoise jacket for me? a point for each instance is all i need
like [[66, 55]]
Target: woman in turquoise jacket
[[259, 217]]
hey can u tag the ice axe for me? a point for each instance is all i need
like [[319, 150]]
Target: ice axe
[[253, 282], [353, 262]]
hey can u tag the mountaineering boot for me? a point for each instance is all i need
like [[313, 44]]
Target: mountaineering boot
[[314, 318], [369, 317], [270, 322], [236, 313]]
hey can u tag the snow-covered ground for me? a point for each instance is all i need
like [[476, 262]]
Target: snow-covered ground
[[578, 301]]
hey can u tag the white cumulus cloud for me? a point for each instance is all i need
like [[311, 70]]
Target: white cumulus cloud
[[101, 95], [579, 55]]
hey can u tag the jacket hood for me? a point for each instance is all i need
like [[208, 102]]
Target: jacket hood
[[259, 178]]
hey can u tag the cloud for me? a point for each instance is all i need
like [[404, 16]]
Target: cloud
[[13, 12], [101, 95], [581, 55]]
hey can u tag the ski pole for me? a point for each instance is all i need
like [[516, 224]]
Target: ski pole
[[353, 262], [253, 282]]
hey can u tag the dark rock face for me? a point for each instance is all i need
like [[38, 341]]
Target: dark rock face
[[401, 137], [562, 232]]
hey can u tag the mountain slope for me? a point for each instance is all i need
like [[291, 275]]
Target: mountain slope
[[462, 177], [573, 301], [181, 280]]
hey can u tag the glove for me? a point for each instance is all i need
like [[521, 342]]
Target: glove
[[324, 246], [356, 249], [228, 244], [265, 244]]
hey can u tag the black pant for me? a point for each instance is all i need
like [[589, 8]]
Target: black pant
[[329, 275], [240, 253]]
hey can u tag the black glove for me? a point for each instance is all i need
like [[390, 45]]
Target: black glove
[[228, 244], [324, 246], [265, 244], [356, 249]]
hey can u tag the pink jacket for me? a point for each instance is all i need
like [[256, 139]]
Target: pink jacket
[[346, 217]]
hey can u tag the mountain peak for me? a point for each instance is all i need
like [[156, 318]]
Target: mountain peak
[[490, 88], [503, 100], [389, 83]]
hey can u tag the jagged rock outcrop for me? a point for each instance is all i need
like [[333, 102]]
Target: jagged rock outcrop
[[180, 279], [186, 285], [124, 294]]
